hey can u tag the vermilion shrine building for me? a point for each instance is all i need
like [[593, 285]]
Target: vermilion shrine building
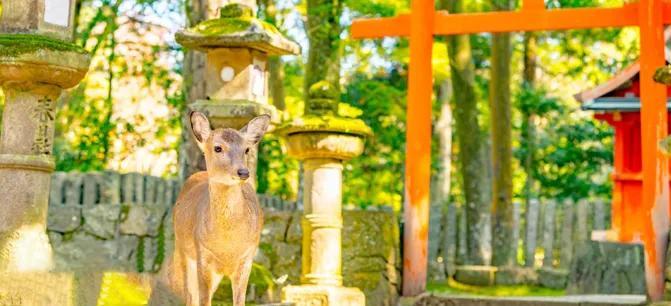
[[618, 102]]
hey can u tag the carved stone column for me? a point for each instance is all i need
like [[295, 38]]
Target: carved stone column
[[237, 46], [323, 141], [322, 222], [34, 70]]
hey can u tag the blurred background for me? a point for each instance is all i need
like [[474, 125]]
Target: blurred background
[[125, 116]]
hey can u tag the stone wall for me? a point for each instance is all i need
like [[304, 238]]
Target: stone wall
[[371, 253], [122, 222], [110, 221]]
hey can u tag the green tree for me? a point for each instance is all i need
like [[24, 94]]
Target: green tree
[[471, 157], [501, 133]]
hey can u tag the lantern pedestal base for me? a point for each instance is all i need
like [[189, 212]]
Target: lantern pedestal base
[[25, 181], [321, 295]]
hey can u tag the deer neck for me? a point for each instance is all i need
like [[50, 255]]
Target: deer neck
[[225, 198]]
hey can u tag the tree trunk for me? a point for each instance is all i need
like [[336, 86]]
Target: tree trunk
[[502, 187], [444, 133], [529, 120], [323, 28], [472, 166], [190, 158], [440, 185], [275, 66]]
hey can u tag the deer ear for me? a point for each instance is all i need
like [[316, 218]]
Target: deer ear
[[200, 127], [256, 128]]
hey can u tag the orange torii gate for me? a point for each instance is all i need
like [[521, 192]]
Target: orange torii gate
[[651, 218]]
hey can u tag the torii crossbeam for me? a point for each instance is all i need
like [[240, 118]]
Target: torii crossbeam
[[652, 219]]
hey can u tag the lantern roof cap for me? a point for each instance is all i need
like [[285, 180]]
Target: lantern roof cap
[[237, 28], [39, 59]]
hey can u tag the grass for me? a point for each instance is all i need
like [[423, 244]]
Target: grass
[[453, 287]]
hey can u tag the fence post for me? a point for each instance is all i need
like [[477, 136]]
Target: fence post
[[548, 233], [73, 188], [582, 226], [566, 252], [599, 215], [110, 189], [531, 233], [450, 239], [56, 193], [461, 236], [139, 188], [91, 182], [435, 239], [150, 190], [127, 186]]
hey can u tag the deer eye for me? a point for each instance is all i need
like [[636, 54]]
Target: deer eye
[[217, 149], [247, 151]]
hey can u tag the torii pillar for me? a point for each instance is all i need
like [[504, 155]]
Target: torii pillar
[[652, 219]]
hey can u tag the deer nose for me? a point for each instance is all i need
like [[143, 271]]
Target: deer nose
[[243, 173]]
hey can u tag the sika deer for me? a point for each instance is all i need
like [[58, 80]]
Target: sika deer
[[217, 218]]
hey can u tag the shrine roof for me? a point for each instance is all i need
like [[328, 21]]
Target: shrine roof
[[612, 104], [620, 79]]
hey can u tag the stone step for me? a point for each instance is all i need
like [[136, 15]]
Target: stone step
[[581, 300], [271, 304]]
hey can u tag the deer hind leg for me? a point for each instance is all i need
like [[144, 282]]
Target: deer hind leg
[[239, 281]]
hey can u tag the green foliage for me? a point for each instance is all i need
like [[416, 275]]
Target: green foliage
[[160, 246], [376, 177], [277, 173], [126, 111], [139, 255], [572, 155]]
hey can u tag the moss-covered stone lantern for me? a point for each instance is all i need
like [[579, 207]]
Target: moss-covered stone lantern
[[237, 46], [52, 18], [323, 141], [37, 61]]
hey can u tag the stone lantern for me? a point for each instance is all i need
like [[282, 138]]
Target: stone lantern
[[37, 61], [51, 18], [323, 141], [237, 46]]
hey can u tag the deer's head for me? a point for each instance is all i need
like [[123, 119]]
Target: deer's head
[[226, 149]]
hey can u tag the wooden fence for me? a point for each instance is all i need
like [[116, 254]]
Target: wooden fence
[[95, 188], [546, 233]]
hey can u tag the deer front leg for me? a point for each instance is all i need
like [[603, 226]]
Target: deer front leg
[[208, 278], [239, 281]]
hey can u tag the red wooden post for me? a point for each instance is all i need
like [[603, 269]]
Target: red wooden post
[[418, 149], [654, 218]]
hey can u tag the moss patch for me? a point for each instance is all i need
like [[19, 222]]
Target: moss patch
[[118, 289], [228, 26], [235, 10], [12, 45], [454, 287], [326, 124], [323, 90], [663, 75]]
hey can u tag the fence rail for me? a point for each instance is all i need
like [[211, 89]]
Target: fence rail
[[104, 188]]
